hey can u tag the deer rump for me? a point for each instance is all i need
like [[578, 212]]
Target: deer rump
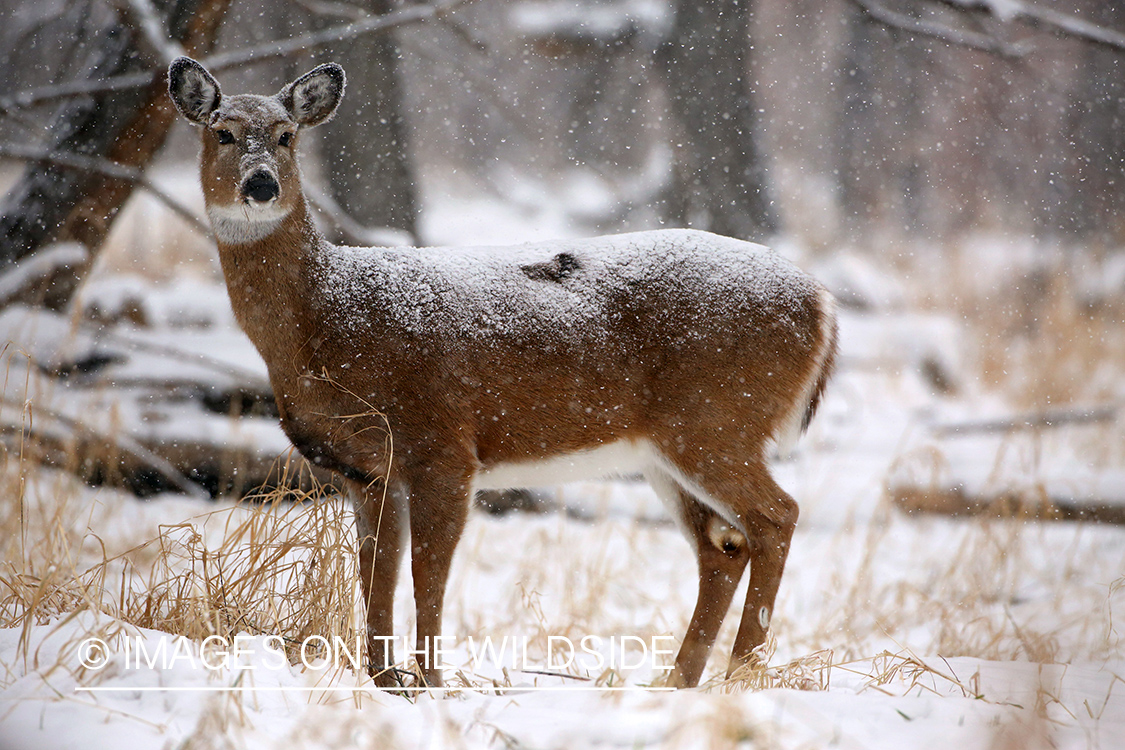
[[534, 350]]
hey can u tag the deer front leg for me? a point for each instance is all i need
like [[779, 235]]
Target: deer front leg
[[769, 548], [380, 532], [439, 509]]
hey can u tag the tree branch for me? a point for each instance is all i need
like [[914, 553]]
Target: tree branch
[[958, 37], [75, 88], [344, 32], [251, 55], [1060, 23], [109, 168], [334, 9], [351, 231]]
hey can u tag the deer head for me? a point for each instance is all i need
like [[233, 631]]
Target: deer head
[[249, 164]]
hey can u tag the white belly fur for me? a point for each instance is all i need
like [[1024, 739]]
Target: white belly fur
[[613, 459]]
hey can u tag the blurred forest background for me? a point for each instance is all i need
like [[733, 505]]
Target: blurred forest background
[[834, 124]]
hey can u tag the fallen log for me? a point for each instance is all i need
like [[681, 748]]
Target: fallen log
[[1033, 505]]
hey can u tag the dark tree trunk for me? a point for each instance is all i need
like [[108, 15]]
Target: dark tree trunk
[[720, 181], [365, 150], [1095, 182], [855, 137], [52, 202], [880, 135]]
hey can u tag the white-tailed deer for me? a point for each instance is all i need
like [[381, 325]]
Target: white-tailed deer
[[420, 375]]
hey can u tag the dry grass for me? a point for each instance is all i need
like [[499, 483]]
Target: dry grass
[[281, 564], [1040, 334], [282, 567], [1000, 590], [1054, 348]]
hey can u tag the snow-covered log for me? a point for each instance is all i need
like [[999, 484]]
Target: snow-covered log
[[150, 409]]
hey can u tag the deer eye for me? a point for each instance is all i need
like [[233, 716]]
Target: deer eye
[[286, 139], [224, 136]]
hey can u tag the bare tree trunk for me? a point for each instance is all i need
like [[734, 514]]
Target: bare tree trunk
[[855, 136], [1096, 182], [53, 202], [881, 176], [365, 149], [720, 181]]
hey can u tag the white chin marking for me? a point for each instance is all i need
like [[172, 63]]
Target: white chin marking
[[243, 223]]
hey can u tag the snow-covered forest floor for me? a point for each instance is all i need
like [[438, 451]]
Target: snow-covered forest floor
[[939, 591]]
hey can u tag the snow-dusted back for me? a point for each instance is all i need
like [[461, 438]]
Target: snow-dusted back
[[541, 292]]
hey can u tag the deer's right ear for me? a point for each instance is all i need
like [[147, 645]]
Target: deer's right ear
[[193, 90]]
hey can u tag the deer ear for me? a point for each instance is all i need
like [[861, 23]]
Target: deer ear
[[193, 90], [313, 98]]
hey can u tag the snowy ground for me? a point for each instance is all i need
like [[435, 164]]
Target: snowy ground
[[891, 631]]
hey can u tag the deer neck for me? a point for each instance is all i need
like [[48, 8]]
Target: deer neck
[[265, 264]]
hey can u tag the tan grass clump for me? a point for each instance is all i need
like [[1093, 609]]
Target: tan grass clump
[[281, 564], [285, 566]]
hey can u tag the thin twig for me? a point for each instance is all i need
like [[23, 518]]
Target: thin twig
[[959, 37], [109, 168], [334, 9], [352, 232]]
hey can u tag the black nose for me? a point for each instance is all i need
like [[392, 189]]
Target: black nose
[[261, 186]]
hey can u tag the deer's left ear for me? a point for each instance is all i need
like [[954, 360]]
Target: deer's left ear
[[313, 98]]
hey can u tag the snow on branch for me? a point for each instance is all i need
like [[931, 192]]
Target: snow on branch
[[53, 429], [958, 37], [218, 62], [32, 274], [1061, 23], [1006, 11], [109, 168]]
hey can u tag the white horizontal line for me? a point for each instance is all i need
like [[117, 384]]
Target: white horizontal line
[[344, 688]]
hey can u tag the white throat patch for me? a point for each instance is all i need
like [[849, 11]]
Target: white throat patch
[[241, 224]]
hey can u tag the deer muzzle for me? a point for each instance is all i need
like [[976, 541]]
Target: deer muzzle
[[261, 186]]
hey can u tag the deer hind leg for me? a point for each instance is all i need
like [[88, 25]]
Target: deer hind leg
[[721, 554], [747, 496], [380, 532], [439, 509], [771, 529]]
